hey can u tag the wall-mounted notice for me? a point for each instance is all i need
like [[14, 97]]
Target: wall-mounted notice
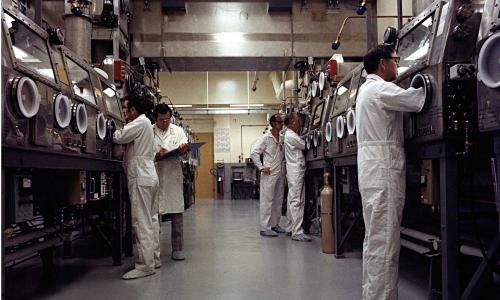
[[222, 140]]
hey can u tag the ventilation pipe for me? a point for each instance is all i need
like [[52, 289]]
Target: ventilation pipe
[[282, 88], [78, 23]]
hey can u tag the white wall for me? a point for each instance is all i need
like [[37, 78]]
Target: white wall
[[237, 125]]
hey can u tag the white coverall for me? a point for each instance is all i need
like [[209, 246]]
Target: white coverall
[[142, 185], [170, 194], [381, 176], [272, 186], [295, 171]]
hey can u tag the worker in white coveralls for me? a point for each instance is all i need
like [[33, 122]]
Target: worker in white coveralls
[[142, 185], [381, 168], [295, 171], [170, 139], [272, 177]]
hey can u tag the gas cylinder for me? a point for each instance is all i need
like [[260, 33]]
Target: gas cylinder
[[327, 233]]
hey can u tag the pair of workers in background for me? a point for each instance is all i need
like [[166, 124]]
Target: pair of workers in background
[[274, 149]]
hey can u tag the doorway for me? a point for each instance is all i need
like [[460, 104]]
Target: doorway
[[204, 182]]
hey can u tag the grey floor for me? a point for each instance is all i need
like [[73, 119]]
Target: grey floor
[[226, 259]]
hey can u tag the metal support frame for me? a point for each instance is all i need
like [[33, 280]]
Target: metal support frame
[[13, 157], [400, 13], [449, 227], [483, 273], [496, 147], [38, 12], [371, 25], [340, 212]]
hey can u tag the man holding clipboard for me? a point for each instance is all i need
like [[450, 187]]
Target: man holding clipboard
[[170, 144]]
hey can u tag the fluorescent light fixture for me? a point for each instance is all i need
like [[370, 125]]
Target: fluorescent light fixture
[[24, 56], [109, 92], [182, 105], [246, 105], [229, 37], [341, 90]]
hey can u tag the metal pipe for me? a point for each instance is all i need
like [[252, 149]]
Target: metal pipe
[[339, 35], [421, 236], [38, 12], [400, 14], [470, 251], [415, 247], [371, 25]]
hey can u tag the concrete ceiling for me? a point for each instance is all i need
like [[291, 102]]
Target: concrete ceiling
[[243, 36]]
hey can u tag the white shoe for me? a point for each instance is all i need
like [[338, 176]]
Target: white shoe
[[158, 265], [268, 233], [134, 274], [301, 238]]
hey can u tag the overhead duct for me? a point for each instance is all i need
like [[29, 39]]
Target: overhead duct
[[281, 90]]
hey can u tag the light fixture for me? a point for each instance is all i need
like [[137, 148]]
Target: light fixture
[[338, 58], [108, 60], [246, 105], [182, 105], [361, 8]]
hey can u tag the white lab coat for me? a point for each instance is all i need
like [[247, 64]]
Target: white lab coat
[[171, 192], [272, 186], [381, 175], [142, 185], [295, 171]]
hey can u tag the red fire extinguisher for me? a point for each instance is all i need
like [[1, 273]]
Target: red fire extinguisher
[[220, 186]]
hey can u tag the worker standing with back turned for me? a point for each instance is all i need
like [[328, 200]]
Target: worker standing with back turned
[[142, 185], [295, 172], [381, 168]]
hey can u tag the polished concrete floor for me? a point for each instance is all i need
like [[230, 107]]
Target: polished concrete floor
[[226, 259]]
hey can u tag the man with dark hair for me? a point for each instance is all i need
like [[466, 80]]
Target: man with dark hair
[[295, 171], [272, 178], [381, 168], [142, 185], [168, 138]]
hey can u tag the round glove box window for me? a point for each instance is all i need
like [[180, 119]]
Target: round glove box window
[[422, 80], [314, 88], [62, 111], [101, 126], [110, 127], [351, 122], [328, 132], [489, 62], [80, 118], [340, 126], [322, 80], [25, 97], [316, 138]]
